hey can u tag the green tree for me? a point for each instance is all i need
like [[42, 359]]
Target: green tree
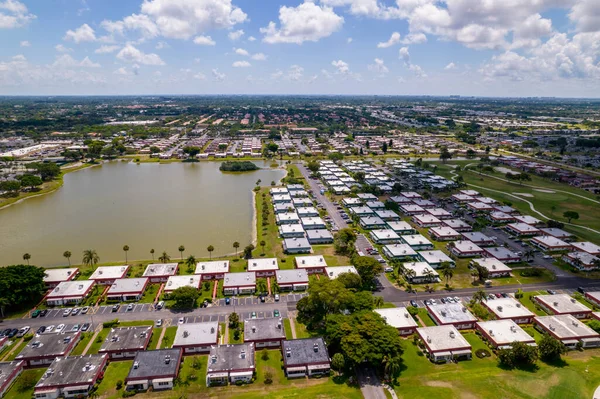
[[471, 153], [154, 150], [94, 150], [125, 249], [184, 297], [446, 271], [164, 258], [90, 258], [21, 286], [152, 253], [338, 362], [248, 251], [262, 244], [350, 280], [67, 254], [190, 262], [210, 250], [234, 320], [26, 257], [181, 250], [480, 296], [31, 181], [313, 166], [236, 246], [445, 155], [343, 242], [191, 151], [551, 349], [368, 268], [11, 186], [570, 215], [46, 170]]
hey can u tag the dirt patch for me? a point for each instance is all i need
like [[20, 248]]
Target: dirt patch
[[439, 384], [524, 195], [544, 191]]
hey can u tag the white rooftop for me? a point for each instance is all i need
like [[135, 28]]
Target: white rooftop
[[334, 271], [449, 313], [400, 250], [58, 275], [125, 285], [70, 288], [523, 227], [160, 269], [109, 272], [464, 246], [420, 269], [397, 317], [505, 332], [443, 338], [175, 282], [215, 266], [508, 308], [527, 219], [310, 261], [492, 264], [291, 276], [239, 279], [562, 303], [416, 240], [588, 247], [565, 326], [196, 334], [432, 257], [399, 226], [262, 264], [385, 234], [444, 231], [550, 241]]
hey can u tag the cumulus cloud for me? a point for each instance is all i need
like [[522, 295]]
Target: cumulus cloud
[[306, 22], [161, 45], [295, 73], [25, 43], [378, 67], [528, 34], [84, 33], [62, 49], [417, 70], [105, 49], [349, 40], [14, 14], [218, 76], [341, 66], [204, 41], [414, 38], [585, 14], [235, 35], [66, 61], [129, 53], [199, 76], [251, 39], [241, 64], [259, 57], [394, 39], [241, 51], [404, 54], [450, 66]]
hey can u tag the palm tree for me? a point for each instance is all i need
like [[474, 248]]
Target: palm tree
[[446, 271], [67, 254], [190, 262], [90, 257], [152, 253], [409, 274], [378, 301], [391, 368], [181, 249], [479, 296], [125, 249], [529, 254], [262, 244], [164, 258], [210, 249], [236, 245], [26, 257], [429, 276]]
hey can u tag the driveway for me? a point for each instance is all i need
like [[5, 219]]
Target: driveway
[[329, 206]]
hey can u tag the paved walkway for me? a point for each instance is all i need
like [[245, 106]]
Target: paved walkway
[[370, 385], [162, 335], [293, 326], [15, 346], [215, 288], [91, 342]]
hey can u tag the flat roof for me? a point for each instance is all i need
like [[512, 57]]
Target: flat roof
[[385, 234], [492, 264], [7, 369], [333, 272], [304, 351], [449, 313], [562, 303], [587, 246], [397, 317], [291, 228], [443, 338], [126, 285], [47, 345], [455, 223], [399, 225], [270, 328], [595, 295], [565, 326], [312, 221], [425, 218], [215, 266], [523, 227], [174, 282], [109, 272], [505, 308], [399, 250], [70, 288], [434, 257], [262, 264], [555, 232], [291, 276], [296, 242], [239, 279], [58, 275], [550, 241], [416, 240], [466, 246], [444, 231], [527, 219], [420, 268], [231, 357], [155, 363], [197, 334], [372, 220], [476, 236], [126, 338], [160, 269], [500, 252], [504, 332], [72, 371], [310, 261], [318, 233]]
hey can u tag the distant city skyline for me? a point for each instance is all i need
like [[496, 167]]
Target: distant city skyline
[[492, 48]]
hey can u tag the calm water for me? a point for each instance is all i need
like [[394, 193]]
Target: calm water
[[144, 206]]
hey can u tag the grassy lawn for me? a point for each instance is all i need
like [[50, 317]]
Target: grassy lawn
[[154, 338], [169, 337], [83, 342], [529, 303], [425, 318], [288, 329], [301, 331], [97, 344], [18, 347], [150, 293], [482, 378], [114, 372], [19, 389], [240, 339]]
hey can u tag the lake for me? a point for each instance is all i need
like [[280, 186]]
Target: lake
[[144, 206]]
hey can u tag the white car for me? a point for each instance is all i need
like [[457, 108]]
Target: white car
[[181, 320], [60, 327], [50, 328], [66, 312], [159, 323], [547, 257]]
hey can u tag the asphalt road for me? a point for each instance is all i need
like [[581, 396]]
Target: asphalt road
[[329, 206]]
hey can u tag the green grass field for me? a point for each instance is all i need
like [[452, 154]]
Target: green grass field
[[169, 337], [24, 384]]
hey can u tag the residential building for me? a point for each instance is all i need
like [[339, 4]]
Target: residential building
[[439, 213], [435, 258], [384, 236], [239, 283], [156, 368], [444, 343], [215, 269], [291, 231], [194, 338], [175, 282], [421, 272], [568, 330], [401, 227], [503, 254], [452, 313], [417, 242], [558, 233], [263, 267], [297, 246], [313, 223], [593, 297], [457, 224], [530, 220], [399, 251], [444, 233], [587, 247], [465, 249], [582, 261], [230, 363], [127, 289], [160, 272], [411, 209], [287, 218], [125, 342], [264, 333], [478, 238], [477, 206], [501, 334], [312, 264], [42, 349], [9, 371], [522, 229], [320, 236], [307, 211], [371, 222], [106, 275], [509, 308], [71, 377], [425, 220], [563, 304], [387, 215], [550, 244], [305, 357], [333, 272], [70, 292], [400, 319], [494, 266], [53, 277], [501, 217]]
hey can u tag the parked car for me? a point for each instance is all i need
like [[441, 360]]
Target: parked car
[[433, 302], [85, 309], [181, 320], [85, 327], [388, 269], [262, 298], [130, 307], [442, 300], [43, 312], [4, 333], [253, 315], [581, 289], [23, 331], [227, 301], [160, 305], [276, 313], [50, 328], [159, 323], [551, 292], [456, 299], [498, 295], [12, 333], [115, 308], [66, 312], [60, 328], [547, 257], [414, 303], [75, 328], [40, 330], [35, 313], [276, 297], [75, 311]]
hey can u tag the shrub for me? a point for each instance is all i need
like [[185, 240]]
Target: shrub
[[482, 353], [119, 384], [110, 324], [268, 377], [128, 394], [264, 355]]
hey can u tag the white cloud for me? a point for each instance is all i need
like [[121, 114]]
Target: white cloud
[[585, 14], [131, 54], [204, 41], [251, 39], [199, 76], [414, 38], [141, 23], [84, 33], [341, 66], [235, 35], [404, 54], [14, 14], [87, 63], [121, 71], [241, 64], [378, 67], [278, 74], [66, 61], [105, 49], [161, 45], [528, 34], [375, 8], [295, 73], [450, 66], [241, 51], [259, 57], [218, 76], [394, 39], [349, 40], [62, 49], [25, 43], [306, 22], [417, 70]]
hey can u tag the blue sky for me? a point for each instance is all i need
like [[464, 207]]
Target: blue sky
[[404, 47]]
